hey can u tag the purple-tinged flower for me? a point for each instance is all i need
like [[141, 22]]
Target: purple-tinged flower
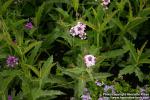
[[89, 60], [105, 3], [72, 32], [83, 36], [142, 90], [12, 61], [86, 97], [9, 97], [29, 25], [106, 98], [107, 87], [14, 41], [78, 30], [144, 95], [144, 98], [98, 83], [100, 98]]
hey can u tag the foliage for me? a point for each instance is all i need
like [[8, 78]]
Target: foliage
[[51, 61]]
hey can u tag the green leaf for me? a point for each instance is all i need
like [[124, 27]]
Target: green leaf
[[7, 73], [35, 70], [59, 1], [106, 20], [32, 58], [144, 61], [130, 47], [93, 50], [5, 83], [39, 14], [114, 53], [5, 6], [145, 55], [142, 48], [64, 13], [75, 4], [139, 74], [72, 75], [79, 87], [31, 45], [118, 23], [144, 12], [46, 68], [37, 93], [75, 70], [101, 75], [26, 88], [134, 22], [19, 22], [127, 70]]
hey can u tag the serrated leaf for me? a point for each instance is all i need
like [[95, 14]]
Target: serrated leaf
[[142, 48], [145, 55], [6, 73], [127, 70], [118, 23], [101, 75], [35, 70], [75, 70], [32, 58], [134, 22], [107, 20], [46, 68], [39, 14], [64, 13], [59, 1], [114, 53], [130, 46], [144, 61], [5, 83], [75, 4], [72, 75], [5, 6], [139, 74], [31, 45], [79, 87], [144, 12], [93, 50], [37, 93]]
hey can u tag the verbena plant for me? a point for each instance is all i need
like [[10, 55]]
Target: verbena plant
[[74, 48]]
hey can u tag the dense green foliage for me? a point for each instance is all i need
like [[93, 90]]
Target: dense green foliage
[[51, 61]]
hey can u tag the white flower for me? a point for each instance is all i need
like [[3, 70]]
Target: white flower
[[90, 60], [72, 32], [106, 2], [78, 30]]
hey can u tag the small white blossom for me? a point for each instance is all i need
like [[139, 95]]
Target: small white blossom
[[105, 3], [78, 30], [90, 60]]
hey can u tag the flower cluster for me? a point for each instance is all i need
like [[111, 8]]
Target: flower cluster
[[78, 30], [105, 3], [9, 97], [99, 83], [143, 93], [12, 61], [89, 60], [86, 95], [29, 25], [107, 87]]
